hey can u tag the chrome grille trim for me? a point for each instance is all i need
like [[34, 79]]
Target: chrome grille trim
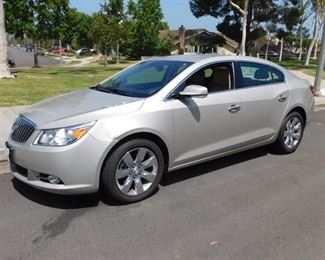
[[22, 129]]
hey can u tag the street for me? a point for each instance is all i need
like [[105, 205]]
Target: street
[[26, 59], [253, 205]]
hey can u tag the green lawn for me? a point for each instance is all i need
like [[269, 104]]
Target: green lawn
[[313, 73], [296, 64], [32, 85]]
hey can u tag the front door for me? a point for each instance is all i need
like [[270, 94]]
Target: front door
[[208, 126]]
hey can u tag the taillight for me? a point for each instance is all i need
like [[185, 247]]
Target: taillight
[[313, 90]]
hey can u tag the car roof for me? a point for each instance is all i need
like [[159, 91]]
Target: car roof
[[194, 58]]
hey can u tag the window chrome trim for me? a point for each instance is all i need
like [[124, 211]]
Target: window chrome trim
[[169, 96]]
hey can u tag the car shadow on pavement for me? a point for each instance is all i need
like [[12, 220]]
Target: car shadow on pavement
[[214, 165], [61, 201], [93, 200]]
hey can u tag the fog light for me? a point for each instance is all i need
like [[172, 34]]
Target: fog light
[[54, 179], [50, 179]]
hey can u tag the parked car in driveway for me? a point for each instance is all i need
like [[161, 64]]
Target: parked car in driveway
[[29, 48], [58, 50], [159, 115], [41, 51], [83, 51]]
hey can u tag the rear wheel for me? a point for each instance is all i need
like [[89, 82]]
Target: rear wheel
[[290, 134], [133, 171]]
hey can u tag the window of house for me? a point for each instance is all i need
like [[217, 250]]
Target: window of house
[[255, 74]]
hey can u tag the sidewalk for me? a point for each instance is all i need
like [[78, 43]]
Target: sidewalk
[[7, 117], [311, 79]]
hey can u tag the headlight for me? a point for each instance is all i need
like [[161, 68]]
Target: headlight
[[62, 136]]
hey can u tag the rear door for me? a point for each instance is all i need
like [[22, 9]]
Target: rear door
[[265, 98]]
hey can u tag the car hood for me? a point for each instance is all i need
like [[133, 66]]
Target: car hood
[[83, 103]]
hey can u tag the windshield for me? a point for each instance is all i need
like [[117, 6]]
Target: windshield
[[143, 79]]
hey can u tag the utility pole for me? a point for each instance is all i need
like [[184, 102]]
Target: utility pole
[[320, 67]]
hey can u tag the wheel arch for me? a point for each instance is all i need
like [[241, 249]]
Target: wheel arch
[[301, 111], [141, 135]]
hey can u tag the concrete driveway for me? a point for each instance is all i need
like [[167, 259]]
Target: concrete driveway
[[254, 205]]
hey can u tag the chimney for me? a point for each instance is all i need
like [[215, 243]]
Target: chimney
[[181, 47]]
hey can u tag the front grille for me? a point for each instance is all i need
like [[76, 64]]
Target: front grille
[[22, 129]]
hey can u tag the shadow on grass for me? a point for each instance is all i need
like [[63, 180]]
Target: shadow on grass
[[93, 200]]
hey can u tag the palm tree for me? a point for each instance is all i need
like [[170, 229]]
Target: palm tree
[[4, 71]]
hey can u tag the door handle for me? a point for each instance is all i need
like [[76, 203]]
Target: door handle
[[282, 98], [234, 108]]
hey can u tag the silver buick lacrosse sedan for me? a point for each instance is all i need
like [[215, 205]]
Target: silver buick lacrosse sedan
[[159, 115]]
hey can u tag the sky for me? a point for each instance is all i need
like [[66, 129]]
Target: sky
[[176, 13]]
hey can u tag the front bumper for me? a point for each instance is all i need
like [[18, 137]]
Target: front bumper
[[78, 165]]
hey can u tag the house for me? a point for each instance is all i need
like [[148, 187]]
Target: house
[[199, 41]]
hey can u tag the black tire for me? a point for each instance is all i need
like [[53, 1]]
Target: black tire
[[280, 145], [108, 176]]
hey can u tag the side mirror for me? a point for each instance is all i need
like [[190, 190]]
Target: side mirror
[[194, 91]]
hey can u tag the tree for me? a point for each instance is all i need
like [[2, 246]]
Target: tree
[[116, 20], [304, 6], [147, 16], [244, 13], [110, 27], [4, 71], [259, 12], [165, 46], [77, 33], [59, 21], [287, 19], [319, 8], [37, 19]]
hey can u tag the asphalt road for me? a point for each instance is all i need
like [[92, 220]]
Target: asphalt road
[[254, 205], [26, 59]]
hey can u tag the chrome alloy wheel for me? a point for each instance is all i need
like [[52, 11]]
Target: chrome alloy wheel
[[136, 171], [292, 133]]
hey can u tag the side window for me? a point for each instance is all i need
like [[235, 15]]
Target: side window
[[215, 78], [277, 75], [255, 74]]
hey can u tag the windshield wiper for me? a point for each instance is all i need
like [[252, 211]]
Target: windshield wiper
[[99, 87]]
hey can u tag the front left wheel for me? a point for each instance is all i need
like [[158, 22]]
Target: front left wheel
[[133, 171]]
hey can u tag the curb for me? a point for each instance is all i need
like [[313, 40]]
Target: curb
[[3, 156]]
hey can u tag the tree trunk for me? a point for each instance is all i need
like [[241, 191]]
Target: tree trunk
[[61, 57], [320, 66], [315, 35], [118, 54], [281, 50], [315, 50], [300, 43], [267, 49], [248, 44], [105, 57], [243, 39], [244, 13], [36, 63], [4, 71]]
